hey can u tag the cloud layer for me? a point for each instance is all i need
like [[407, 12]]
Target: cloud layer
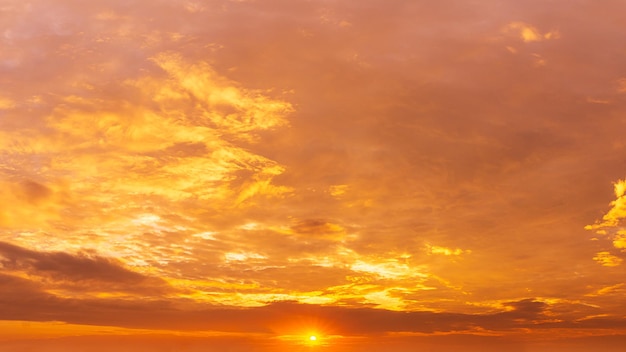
[[234, 166]]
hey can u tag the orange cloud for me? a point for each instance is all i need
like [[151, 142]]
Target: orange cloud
[[621, 85], [232, 166], [528, 33], [6, 103]]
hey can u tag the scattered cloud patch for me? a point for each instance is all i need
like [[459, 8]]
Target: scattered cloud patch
[[610, 226], [529, 33], [607, 259], [432, 249]]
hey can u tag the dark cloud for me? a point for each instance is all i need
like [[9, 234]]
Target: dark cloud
[[27, 301], [66, 266], [22, 299], [526, 309], [82, 271], [319, 228], [16, 288]]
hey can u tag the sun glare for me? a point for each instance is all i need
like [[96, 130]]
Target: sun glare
[[313, 340]]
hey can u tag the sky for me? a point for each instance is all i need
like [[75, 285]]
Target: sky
[[240, 175]]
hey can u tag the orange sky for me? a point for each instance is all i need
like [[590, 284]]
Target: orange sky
[[242, 174]]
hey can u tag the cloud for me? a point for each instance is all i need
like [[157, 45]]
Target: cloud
[[65, 265], [253, 151], [21, 292], [386, 269], [167, 140], [231, 109], [432, 249], [607, 259], [83, 272], [618, 210], [31, 299], [27, 201], [610, 227], [274, 318], [318, 228], [619, 241], [34, 191], [613, 289], [528, 33]]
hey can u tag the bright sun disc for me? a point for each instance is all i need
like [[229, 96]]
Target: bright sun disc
[[313, 338]]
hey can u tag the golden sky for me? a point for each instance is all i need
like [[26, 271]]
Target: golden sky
[[199, 175]]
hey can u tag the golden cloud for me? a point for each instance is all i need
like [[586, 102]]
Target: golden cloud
[[619, 241], [432, 249], [618, 210], [529, 33], [607, 259], [611, 221]]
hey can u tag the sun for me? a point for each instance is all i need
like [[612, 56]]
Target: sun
[[313, 339]]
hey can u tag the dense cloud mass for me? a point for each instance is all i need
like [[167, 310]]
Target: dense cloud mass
[[423, 172]]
